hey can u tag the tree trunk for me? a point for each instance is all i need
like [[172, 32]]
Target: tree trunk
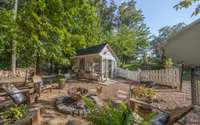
[[37, 64], [51, 66], [14, 42]]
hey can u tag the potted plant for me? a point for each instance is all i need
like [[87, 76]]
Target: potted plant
[[61, 82]]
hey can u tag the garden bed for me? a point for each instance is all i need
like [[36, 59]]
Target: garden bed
[[32, 117]]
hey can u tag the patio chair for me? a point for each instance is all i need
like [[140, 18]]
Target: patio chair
[[27, 96], [40, 86], [164, 117]]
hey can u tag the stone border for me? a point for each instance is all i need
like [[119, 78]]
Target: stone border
[[68, 109], [60, 105]]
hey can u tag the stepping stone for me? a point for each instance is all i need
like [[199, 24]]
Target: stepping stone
[[92, 90], [122, 92], [117, 101], [123, 97], [55, 121]]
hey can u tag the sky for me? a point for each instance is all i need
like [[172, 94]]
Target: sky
[[159, 13]]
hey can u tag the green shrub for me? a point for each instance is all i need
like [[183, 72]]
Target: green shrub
[[167, 63], [15, 112], [60, 79], [111, 115], [144, 93], [133, 66]]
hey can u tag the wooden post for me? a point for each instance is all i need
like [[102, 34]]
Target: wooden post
[[193, 87], [197, 92], [26, 76], [36, 117], [129, 93], [181, 76]]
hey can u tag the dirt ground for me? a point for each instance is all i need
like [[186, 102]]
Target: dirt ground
[[168, 99]]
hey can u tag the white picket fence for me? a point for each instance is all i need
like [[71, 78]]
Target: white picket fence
[[169, 77]]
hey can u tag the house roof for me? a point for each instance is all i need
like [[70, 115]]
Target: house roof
[[188, 27], [90, 50], [183, 47]]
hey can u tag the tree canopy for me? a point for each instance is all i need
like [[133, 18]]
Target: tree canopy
[[187, 3], [158, 42], [52, 31]]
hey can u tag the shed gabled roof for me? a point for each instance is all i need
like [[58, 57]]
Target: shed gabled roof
[[90, 50]]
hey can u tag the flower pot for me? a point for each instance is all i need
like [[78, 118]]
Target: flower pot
[[61, 83]]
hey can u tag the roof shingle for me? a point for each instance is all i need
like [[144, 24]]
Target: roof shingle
[[90, 50]]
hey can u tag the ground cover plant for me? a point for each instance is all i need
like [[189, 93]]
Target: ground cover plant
[[110, 114], [144, 93], [14, 113]]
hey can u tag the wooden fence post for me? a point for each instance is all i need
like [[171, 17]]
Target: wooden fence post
[[194, 88], [181, 76]]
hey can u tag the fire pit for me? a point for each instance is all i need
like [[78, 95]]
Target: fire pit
[[77, 92], [73, 103]]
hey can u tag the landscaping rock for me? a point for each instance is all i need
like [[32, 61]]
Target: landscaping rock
[[59, 100], [55, 121], [72, 122]]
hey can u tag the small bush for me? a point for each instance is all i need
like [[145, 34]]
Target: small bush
[[111, 115], [60, 79], [14, 113], [144, 93]]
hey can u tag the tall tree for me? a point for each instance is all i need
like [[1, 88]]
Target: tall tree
[[8, 29], [56, 28], [106, 13], [48, 30], [159, 41], [124, 44], [131, 18], [14, 42]]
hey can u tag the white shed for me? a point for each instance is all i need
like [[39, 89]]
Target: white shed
[[96, 62]]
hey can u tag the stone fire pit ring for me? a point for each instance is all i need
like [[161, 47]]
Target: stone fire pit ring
[[70, 109], [62, 107]]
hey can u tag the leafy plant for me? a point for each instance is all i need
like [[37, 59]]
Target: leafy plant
[[14, 113], [144, 93], [61, 81], [109, 114], [168, 63]]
